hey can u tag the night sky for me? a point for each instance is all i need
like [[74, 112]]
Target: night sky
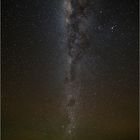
[[34, 72]]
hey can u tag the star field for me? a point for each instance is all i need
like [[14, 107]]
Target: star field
[[34, 72]]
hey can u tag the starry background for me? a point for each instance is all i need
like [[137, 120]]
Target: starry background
[[33, 71]]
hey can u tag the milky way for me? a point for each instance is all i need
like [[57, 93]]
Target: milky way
[[77, 38]]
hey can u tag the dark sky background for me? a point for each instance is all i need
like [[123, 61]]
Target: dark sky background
[[33, 71]]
